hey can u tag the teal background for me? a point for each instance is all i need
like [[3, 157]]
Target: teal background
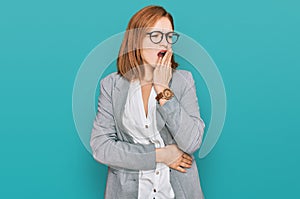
[[255, 45]]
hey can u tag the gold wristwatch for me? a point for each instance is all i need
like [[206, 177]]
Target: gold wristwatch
[[165, 94]]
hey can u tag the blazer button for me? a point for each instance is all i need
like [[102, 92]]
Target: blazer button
[[146, 126]]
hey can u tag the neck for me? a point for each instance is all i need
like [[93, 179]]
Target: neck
[[148, 78]]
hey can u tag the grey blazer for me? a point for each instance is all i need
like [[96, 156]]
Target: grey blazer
[[178, 122]]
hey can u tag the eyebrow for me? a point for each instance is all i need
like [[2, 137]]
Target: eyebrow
[[161, 30]]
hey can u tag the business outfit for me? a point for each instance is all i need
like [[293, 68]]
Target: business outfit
[[152, 183], [178, 122]]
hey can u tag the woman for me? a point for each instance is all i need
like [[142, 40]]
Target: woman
[[148, 123]]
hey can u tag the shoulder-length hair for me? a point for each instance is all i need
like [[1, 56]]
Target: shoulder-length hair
[[130, 59]]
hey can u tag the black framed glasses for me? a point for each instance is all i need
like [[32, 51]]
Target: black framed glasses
[[157, 36]]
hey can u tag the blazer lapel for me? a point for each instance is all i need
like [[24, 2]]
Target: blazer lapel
[[119, 100]]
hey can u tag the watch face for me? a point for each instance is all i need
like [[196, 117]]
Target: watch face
[[168, 93]]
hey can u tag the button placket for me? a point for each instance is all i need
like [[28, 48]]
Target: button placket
[[147, 123], [155, 181]]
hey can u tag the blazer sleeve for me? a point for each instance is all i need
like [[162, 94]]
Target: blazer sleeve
[[106, 147], [183, 117]]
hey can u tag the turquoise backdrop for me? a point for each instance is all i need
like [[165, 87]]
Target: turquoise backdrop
[[255, 45]]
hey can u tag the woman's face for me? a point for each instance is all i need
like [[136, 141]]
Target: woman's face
[[152, 51]]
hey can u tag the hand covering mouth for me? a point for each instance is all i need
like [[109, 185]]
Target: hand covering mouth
[[161, 53]]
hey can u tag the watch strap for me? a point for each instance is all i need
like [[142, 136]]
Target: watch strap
[[159, 96]]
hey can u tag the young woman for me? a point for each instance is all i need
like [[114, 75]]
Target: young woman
[[148, 123]]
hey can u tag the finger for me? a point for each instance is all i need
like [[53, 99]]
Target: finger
[[186, 156], [158, 60], [170, 58], [167, 58], [166, 64], [182, 164], [180, 169], [187, 161]]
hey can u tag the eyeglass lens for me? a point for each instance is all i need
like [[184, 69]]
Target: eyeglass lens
[[157, 37]]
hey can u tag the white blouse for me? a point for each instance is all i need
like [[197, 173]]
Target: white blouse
[[153, 184]]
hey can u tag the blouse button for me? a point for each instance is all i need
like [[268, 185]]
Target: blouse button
[[146, 126], [157, 172], [154, 190]]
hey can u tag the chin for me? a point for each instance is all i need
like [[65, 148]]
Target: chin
[[153, 64], [150, 63]]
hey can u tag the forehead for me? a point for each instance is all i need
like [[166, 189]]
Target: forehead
[[163, 24]]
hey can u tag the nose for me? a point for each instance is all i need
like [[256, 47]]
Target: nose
[[164, 43]]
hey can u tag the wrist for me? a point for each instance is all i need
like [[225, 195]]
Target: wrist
[[166, 94], [159, 89], [159, 152]]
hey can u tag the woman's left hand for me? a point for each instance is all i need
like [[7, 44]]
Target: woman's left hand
[[182, 163], [162, 73], [175, 158]]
